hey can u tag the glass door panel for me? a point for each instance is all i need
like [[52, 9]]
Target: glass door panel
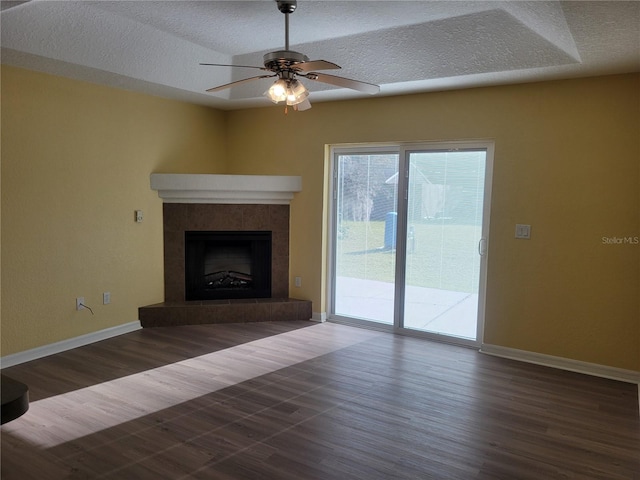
[[444, 229], [365, 189]]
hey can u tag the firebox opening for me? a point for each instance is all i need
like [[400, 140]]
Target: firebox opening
[[226, 265]]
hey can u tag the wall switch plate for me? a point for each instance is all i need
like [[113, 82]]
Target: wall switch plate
[[139, 216], [523, 231], [106, 298], [80, 303], [298, 281]]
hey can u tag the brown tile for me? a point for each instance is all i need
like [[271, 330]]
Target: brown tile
[[199, 217], [255, 217], [161, 316], [280, 244], [173, 245], [174, 216], [280, 277], [173, 303], [284, 311], [280, 290], [305, 310], [258, 312], [227, 217], [212, 217], [174, 290], [174, 265], [254, 313], [201, 314], [230, 314], [215, 302], [242, 300], [279, 215]]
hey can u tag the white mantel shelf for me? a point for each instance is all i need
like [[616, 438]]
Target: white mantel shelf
[[234, 189]]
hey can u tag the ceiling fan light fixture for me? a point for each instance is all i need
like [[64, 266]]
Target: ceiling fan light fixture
[[296, 93], [278, 91], [290, 91]]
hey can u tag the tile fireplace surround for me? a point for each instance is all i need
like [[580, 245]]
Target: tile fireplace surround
[[224, 203]]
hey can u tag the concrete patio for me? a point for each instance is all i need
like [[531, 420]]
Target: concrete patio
[[427, 309]]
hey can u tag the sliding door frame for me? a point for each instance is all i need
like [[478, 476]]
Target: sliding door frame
[[334, 152], [403, 150]]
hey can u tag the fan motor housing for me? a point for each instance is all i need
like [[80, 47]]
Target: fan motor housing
[[283, 59]]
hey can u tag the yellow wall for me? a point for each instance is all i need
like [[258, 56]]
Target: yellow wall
[[76, 160], [567, 161]]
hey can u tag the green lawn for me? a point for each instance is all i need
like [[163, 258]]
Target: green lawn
[[444, 256]]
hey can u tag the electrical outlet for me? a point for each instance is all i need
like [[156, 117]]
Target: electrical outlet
[[80, 303], [298, 281], [139, 216], [106, 298]]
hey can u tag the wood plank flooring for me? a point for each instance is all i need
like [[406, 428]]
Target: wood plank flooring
[[306, 401]]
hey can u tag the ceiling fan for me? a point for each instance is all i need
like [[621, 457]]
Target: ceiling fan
[[288, 65]]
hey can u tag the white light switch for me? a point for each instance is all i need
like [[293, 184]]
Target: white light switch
[[523, 231], [139, 216]]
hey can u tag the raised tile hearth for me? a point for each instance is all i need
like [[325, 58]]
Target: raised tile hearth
[[225, 311]]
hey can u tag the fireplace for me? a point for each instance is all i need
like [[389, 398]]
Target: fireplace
[[237, 229], [226, 265], [226, 221]]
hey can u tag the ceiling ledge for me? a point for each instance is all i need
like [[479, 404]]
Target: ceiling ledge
[[228, 189]]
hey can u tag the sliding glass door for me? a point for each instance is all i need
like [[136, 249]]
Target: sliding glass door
[[410, 228], [365, 261], [444, 232]]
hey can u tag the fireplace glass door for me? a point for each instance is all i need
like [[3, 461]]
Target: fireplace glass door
[[227, 265]]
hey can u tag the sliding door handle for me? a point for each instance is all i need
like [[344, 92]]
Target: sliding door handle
[[482, 247]]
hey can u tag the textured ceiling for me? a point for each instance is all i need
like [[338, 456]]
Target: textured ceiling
[[415, 46]]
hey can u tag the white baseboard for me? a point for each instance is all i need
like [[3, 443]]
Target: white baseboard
[[319, 317], [53, 348], [613, 373]]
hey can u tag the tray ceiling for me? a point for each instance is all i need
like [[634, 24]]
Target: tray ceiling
[[406, 47]]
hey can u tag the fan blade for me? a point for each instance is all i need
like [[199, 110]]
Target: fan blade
[[344, 82], [238, 82], [225, 65], [314, 65]]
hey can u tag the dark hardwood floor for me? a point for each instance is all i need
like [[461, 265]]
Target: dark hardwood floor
[[303, 401]]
